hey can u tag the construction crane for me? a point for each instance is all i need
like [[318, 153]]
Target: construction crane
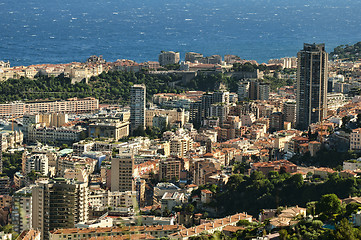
[[12, 122]]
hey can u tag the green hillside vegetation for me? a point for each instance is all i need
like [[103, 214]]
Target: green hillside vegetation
[[114, 86], [252, 193], [347, 52], [107, 87]]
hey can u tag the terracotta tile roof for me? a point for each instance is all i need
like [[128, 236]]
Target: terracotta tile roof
[[123, 237], [217, 223], [28, 234], [232, 229], [118, 229], [206, 191]]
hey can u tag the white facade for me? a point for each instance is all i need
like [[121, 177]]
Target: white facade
[[38, 163], [21, 216], [104, 199]]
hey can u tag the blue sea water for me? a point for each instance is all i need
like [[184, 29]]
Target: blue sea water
[[60, 31]]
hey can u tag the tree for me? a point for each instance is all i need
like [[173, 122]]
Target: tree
[[345, 121], [344, 231], [329, 204], [283, 234]]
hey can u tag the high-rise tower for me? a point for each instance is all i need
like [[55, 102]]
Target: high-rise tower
[[311, 84], [137, 106]]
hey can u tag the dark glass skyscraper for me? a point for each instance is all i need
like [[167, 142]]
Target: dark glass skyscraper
[[311, 84], [137, 106]]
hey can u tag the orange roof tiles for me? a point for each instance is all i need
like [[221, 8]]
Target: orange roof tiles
[[118, 229], [217, 223], [124, 237]]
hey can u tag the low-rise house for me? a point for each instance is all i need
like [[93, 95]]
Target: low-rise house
[[88, 233], [210, 227], [278, 166], [323, 172], [206, 196], [352, 165], [288, 217], [170, 200]]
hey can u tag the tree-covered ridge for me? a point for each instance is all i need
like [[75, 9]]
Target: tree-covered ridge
[[114, 86], [255, 192], [347, 52], [107, 87], [42, 87]]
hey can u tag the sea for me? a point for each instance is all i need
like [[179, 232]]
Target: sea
[[61, 31]]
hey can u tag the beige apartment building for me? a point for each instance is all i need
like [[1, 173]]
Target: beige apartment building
[[179, 147], [71, 105], [122, 169], [355, 140], [169, 169], [174, 116], [109, 128]]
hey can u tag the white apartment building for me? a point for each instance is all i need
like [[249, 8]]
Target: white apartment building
[[21, 216], [103, 199], [38, 163]]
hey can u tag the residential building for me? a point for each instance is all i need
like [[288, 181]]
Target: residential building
[[38, 163], [4, 185], [122, 173], [58, 204], [21, 216], [30, 234], [211, 226], [71, 105], [220, 111], [171, 200], [160, 121], [109, 128], [137, 106], [169, 169], [243, 91], [179, 146], [206, 196], [278, 166], [102, 199], [88, 233], [36, 133], [355, 140], [352, 165], [289, 112], [312, 76], [276, 122], [175, 116]]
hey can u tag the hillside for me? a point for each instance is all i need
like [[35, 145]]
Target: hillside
[[347, 52], [114, 87]]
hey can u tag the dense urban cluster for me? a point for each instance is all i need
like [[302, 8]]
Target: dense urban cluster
[[205, 148]]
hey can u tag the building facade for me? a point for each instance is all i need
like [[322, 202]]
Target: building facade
[[122, 173], [166, 58], [311, 85], [71, 105], [137, 106]]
